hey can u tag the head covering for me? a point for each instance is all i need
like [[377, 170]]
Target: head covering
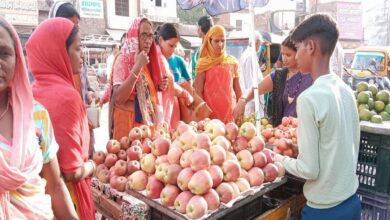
[[56, 5], [55, 89], [26, 156], [208, 57]]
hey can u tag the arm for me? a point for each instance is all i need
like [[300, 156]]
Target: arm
[[237, 87], [61, 202], [307, 164], [199, 83], [86, 170], [180, 92]]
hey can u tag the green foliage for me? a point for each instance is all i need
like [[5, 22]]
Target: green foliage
[[191, 16]]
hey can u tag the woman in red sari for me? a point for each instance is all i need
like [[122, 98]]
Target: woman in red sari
[[54, 57], [217, 76]]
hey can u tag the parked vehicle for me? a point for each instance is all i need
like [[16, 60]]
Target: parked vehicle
[[376, 59]]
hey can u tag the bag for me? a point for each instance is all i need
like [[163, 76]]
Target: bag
[[93, 114]]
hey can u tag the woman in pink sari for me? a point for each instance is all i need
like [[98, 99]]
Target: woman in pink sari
[[217, 76], [54, 56]]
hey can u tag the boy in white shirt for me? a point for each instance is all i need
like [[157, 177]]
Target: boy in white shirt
[[328, 130]]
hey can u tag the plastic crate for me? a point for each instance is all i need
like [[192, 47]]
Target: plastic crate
[[374, 205], [373, 168]]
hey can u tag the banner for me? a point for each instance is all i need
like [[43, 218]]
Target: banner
[[20, 12], [91, 9]]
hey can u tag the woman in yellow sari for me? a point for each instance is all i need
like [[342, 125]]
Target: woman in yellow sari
[[217, 76]]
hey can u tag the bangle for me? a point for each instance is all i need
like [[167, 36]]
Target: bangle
[[93, 165], [243, 99]]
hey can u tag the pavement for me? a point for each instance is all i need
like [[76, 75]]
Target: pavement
[[101, 133]]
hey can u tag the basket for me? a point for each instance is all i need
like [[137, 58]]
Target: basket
[[374, 205], [373, 168]]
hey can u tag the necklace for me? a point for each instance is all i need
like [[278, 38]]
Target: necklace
[[290, 98], [5, 111]]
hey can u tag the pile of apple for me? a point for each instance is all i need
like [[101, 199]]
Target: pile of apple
[[204, 164], [283, 137]]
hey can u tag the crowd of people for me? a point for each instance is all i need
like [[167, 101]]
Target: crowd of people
[[45, 137]]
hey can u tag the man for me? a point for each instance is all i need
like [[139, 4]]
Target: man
[[204, 25], [328, 129], [251, 74]]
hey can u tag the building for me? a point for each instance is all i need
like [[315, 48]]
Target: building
[[376, 23]]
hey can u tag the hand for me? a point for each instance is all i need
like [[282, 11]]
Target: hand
[[189, 100], [141, 59], [164, 84], [92, 95], [238, 111]]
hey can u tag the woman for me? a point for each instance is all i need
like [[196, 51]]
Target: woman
[[168, 38], [286, 84], [142, 90], [54, 55], [217, 79], [22, 192]]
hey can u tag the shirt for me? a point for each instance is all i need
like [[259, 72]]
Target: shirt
[[328, 140], [194, 60], [179, 69]]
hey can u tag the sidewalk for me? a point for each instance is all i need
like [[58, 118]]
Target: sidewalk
[[101, 133]]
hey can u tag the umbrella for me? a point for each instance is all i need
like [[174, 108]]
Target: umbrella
[[216, 7]]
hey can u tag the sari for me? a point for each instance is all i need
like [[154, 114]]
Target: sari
[[219, 70], [55, 89], [22, 190], [146, 104]]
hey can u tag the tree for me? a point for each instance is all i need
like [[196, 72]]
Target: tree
[[190, 16]]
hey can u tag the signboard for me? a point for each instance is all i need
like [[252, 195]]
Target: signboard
[[349, 19], [91, 9], [20, 12]]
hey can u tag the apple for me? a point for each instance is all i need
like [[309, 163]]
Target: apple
[[200, 183], [111, 172], [113, 146], [182, 127], [199, 160], [182, 200], [294, 122], [240, 144], [99, 168], [186, 139], [267, 133], [231, 131], [270, 155], [171, 173], [212, 199], [285, 121], [215, 128], [221, 140], [103, 176], [196, 207], [247, 130], [154, 187], [185, 158], [288, 152], [138, 180], [184, 178], [132, 166], [271, 172], [147, 146], [244, 174], [243, 184], [281, 169], [175, 143], [125, 142], [260, 159], [216, 175], [135, 134], [231, 170], [236, 190], [217, 154], [99, 157], [168, 195], [161, 171], [256, 176], [146, 132], [160, 146], [134, 152], [277, 150], [256, 144], [174, 155], [121, 183], [122, 155], [161, 159], [231, 156], [136, 143], [225, 192], [245, 159], [201, 125], [148, 163], [114, 182], [120, 168], [110, 160], [201, 141]]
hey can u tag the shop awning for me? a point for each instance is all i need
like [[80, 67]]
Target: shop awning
[[115, 33]]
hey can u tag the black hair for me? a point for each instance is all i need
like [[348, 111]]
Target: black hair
[[67, 10], [72, 36], [205, 23], [322, 27], [166, 31], [289, 43]]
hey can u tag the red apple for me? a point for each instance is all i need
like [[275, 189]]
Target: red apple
[[174, 155], [99, 168], [216, 175], [146, 146], [256, 176], [244, 174], [161, 171], [236, 190], [240, 144], [285, 121], [134, 152], [200, 183], [154, 187], [199, 160], [120, 168], [169, 194], [245, 159], [182, 200], [136, 143], [201, 141], [121, 183], [182, 127], [171, 173], [217, 154], [281, 169], [260, 159], [161, 159], [243, 184], [222, 141], [231, 170], [138, 180], [267, 133], [103, 176], [146, 132], [231, 156], [186, 139], [148, 163], [132, 166], [247, 130], [256, 144], [270, 155], [212, 199], [185, 158], [231, 131], [125, 142], [225, 192], [113, 146], [122, 155], [114, 182], [184, 178], [215, 128], [196, 207], [110, 160], [271, 172], [135, 134], [160, 146], [99, 157]]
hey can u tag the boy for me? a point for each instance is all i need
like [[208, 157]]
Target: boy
[[328, 130]]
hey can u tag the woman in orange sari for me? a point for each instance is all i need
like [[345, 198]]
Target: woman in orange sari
[[142, 92], [217, 76], [54, 56]]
